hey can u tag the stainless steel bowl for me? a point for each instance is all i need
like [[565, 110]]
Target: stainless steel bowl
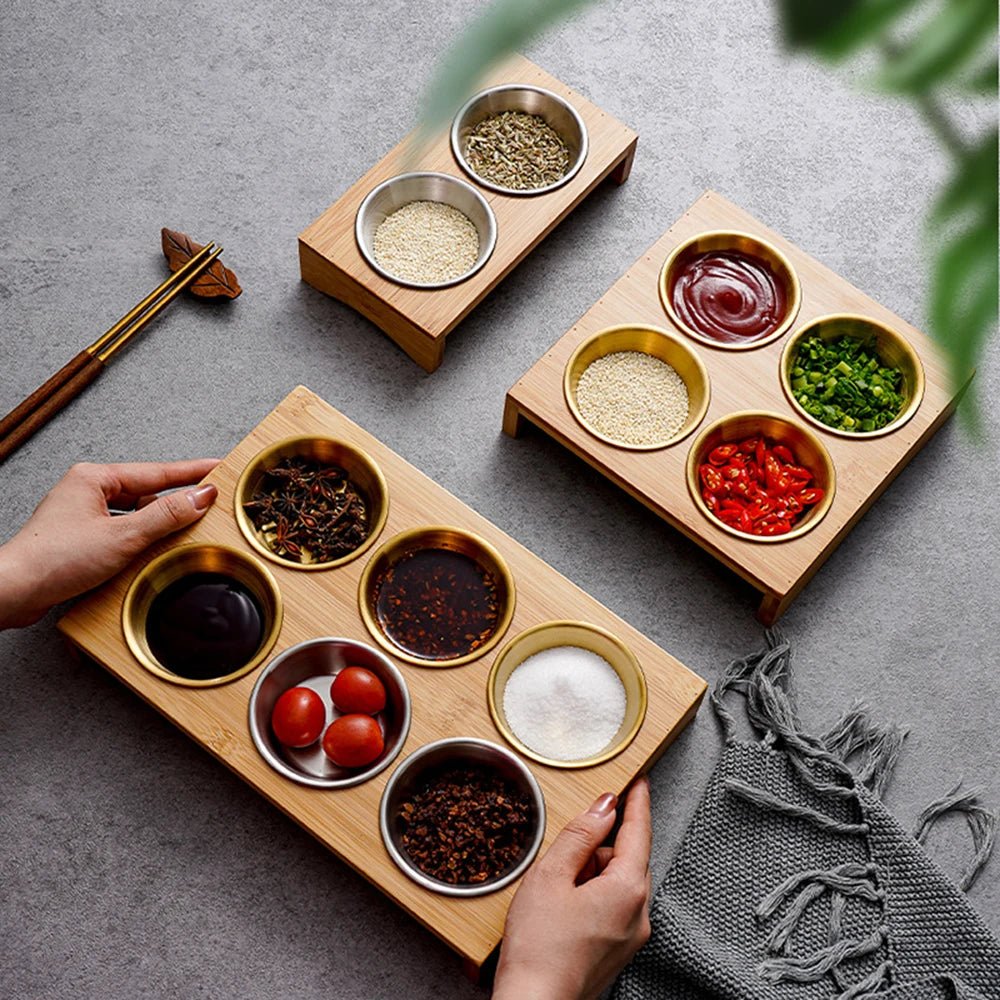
[[398, 191], [561, 116], [314, 664], [457, 751]]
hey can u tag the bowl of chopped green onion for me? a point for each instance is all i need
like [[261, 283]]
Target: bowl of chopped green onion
[[852, 376]]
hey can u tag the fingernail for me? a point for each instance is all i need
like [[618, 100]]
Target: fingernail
[[604, 805], [201, 497]]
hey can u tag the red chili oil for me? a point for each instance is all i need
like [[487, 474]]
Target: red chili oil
[[437, 604], [204, 626], [729, 296]]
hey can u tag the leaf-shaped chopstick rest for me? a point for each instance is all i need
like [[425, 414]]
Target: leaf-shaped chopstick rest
[[216, 282]]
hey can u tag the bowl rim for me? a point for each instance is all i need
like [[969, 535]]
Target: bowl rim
[[456, 141], [569, 394], [399, 541], [913, 404], [248, 531], [153, 666], [794, 288], [446, 888], [807, 524], [614, 749], [363, 774], [369, 256]]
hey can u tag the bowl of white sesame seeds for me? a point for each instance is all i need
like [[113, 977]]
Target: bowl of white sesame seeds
[[636, 386], [425, 230]]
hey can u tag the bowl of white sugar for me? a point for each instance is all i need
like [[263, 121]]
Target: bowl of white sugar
[[425, 230], [567, 694]]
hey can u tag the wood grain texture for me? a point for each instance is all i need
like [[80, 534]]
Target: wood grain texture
[[445, 702], [419, 321], [740, 380]]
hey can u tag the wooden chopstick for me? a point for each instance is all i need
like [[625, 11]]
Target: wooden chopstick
[[24, 409], [46, 401]]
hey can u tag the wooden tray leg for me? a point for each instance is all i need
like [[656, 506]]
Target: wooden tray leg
[[772, 607], [513, 421], [624, 166]]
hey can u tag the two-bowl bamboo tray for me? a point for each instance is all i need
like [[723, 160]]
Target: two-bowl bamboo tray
[[419, 320], [740, 380], [445, 702]]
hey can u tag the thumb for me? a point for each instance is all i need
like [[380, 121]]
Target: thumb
[[170, 513], [580, 838]]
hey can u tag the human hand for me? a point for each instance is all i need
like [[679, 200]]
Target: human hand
[[72, 542], [582, 910]]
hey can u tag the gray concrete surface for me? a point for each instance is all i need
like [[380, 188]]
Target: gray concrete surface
[[132, 865]]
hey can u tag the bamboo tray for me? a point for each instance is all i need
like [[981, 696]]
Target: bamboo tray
[[739, 380], [420, 320], [446, 702]]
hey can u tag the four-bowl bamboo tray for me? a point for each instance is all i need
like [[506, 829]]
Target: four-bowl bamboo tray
[[446, 702], [739, 380], [419, 320]]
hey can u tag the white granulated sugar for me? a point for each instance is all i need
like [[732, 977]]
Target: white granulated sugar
[[633, 398], [426, 242], [566, 703]]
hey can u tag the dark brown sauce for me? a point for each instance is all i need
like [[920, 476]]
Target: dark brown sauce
[[204, 626], [437, 604], [729, 296]]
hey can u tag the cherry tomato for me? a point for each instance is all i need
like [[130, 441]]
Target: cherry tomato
[[353, 740], [358, 690], [298, 717]]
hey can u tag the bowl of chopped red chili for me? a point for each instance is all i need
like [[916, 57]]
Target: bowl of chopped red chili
[[436, 596], [462, 816], [730, 290], [311, 503], [760, 476], [852, 376]]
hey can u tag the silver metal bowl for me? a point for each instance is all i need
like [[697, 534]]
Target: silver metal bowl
[[314, 664], [559, 114], [400, 190], [456, 752]]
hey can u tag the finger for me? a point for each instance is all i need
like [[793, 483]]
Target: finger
[[129, 501], [142, 478], [168, 514], [579, 839], [635, 836]]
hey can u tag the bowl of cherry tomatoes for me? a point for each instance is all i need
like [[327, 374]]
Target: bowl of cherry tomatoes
[[760, 476], [330, 713]]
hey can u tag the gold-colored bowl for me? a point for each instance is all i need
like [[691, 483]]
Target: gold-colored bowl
[[741, 243], [804, 444], [185, 560], [892, 348], [656, 342], [435, 537], [360, 468], [569, 633]]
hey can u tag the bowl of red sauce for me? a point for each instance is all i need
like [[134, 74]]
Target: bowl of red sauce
[[730, 290], [760, 476]]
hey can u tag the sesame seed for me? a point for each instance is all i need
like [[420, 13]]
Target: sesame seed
[[426, 242]]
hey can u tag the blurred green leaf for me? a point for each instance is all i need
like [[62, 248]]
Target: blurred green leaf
[[942, 47], [965, 286], [836, 30], [504, 27], [983, 80]]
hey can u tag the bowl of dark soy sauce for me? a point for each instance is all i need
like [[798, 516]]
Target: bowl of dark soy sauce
[[201, 615]]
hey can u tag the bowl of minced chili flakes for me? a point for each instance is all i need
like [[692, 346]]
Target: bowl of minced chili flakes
[[462, 817]]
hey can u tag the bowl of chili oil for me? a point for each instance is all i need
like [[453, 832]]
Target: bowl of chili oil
[[437, 596], [313, 489]]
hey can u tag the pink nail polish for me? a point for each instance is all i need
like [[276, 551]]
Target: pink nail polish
[[604, 805], [202, 496]]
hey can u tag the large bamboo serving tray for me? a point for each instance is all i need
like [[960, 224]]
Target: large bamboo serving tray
[[420, 320], [740, 380], [446, 702]]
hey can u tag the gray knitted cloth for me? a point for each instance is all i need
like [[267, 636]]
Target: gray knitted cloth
[[794, 882]]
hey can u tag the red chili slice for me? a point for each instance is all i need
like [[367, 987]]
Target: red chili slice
[[810, 496], [722, 454], [780, 451]]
